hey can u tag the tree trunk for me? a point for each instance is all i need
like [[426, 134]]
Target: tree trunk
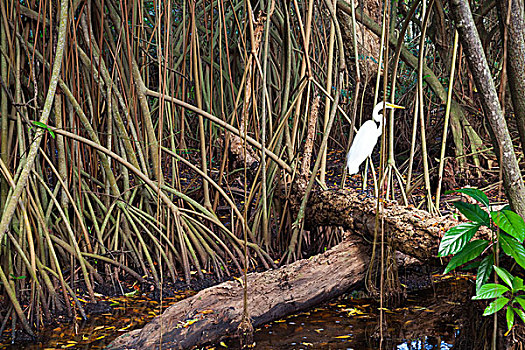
[[516, 60], [411, 231], [489, 99], [216, 312]]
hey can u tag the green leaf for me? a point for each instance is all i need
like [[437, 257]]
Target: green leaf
[[474, 193], [457, 237], [504, 275], [44, 126], [40, 125], [495, 306], [490, 290], [517, 284], [17, 277], [510, 317], [484, 271], [510, 222], [521, 314], [512, 248], [471, 251], [471, 266], [473, 212], [521, 300]]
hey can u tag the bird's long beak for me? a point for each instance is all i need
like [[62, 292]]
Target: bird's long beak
[[391, 105]]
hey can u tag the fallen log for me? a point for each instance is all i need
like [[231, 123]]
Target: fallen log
[[411, 231], [216, 312]]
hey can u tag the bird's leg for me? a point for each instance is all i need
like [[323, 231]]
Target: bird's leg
[[365, 174], [374, 177], [394, 174]]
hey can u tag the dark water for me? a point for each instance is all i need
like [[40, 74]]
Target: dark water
[[353, 324], [346, 323]]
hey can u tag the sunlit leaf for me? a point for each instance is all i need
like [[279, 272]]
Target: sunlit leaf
[[504, 275], [457, 237], [520, 313], [473, 212], [510, 317], [521, 300], [484, 271], [517, 284], [495, 306], [490, 290], [510, 222], [471, 251], [512, 248], [40, 124], [474, 193]]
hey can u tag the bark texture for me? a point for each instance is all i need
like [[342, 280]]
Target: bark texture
[[516, 59], [489, 99], [216, 312], [411, 231]]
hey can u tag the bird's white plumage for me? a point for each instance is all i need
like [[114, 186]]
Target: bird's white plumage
[[366, 138], [363, 145]]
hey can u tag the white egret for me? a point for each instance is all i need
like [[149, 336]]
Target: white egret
[[366, 138]]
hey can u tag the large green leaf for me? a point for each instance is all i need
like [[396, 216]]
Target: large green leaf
[[484, 271], [457, 237], [521, 300], [490, 290], [510, 222], [495, 306], [504, 275], [517, 284], [520, 313], [510, 317], [512, 248], [474, 193], [473, 212], [471, 251]]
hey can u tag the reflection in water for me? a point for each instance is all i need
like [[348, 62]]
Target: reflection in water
[[342, 324], [353, 324]]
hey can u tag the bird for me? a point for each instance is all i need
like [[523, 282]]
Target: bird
[[366, 138]]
